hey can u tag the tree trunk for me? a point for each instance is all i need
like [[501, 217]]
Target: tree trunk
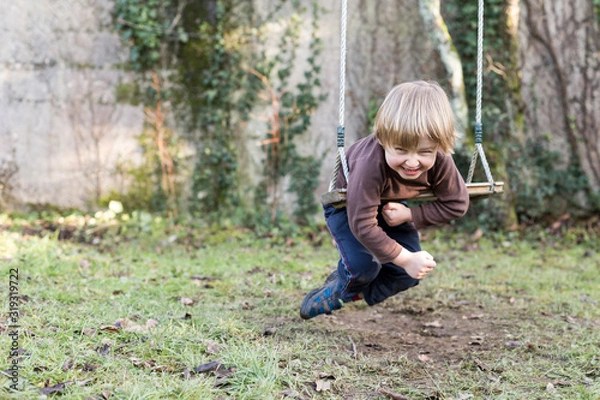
[[560, 66], [438, 32]]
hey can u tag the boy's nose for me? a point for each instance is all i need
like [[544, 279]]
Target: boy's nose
[[412, 162]]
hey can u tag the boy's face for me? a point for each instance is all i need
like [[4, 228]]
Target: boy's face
[[412, 163]]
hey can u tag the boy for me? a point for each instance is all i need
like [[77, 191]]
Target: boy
[[409, 151]]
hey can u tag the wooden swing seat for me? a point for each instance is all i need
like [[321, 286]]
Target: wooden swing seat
[[478, 190]]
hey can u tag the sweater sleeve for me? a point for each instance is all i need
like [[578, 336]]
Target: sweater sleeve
[[452, 195]]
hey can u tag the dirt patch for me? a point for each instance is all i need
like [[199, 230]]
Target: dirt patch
[[442, 338]]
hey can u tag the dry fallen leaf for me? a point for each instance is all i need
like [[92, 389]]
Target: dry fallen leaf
[[290, 393], [68, 365], [202, 278], [105, 395], [473, 316], [84, 264], [138, 362], [476, 340], [481, 365], [246, 305], [424, 358], [55, 388], [162, 368], [109, 328], [203, 281], [562, 383], [103, 350], [324, 375], [470, 247], [513, 344], [186, 301], [59, 387], [222, 375], [434, 324], [211, 366], [88, 331], [128, 325], [28, 333], [151, 323], [478, 234], [323, 385], [270, 331], [212, 347], [89, 367], [436, 396]]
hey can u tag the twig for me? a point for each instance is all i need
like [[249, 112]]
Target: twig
[[354, 352], [177, 17], [161, 136], [392, 395], [99, 228]]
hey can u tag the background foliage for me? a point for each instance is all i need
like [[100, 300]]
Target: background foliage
[[215, 72], [539, 181], [212, 59]]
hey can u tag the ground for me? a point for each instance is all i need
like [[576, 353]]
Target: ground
[[420, 335], [506, 317]]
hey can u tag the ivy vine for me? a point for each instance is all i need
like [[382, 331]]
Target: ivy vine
[[209, 54], [149, 28], [290, 118]]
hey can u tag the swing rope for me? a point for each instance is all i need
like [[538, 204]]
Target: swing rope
[[341, 155], [475, 189], [478, 125]]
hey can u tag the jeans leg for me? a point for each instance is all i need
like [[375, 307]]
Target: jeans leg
[[357, 267], [391, 278]]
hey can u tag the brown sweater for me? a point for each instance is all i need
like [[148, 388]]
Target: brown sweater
[[371, 180]]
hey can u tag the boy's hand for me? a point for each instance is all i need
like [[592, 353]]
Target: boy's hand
[[396, 214], [417, 265]]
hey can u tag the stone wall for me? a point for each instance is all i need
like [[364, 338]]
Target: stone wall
[[62, 132]]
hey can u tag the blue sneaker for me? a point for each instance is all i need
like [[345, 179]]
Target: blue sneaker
[[333, 276], [322, 300]]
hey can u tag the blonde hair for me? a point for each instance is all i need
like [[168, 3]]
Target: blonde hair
[[415, 110]]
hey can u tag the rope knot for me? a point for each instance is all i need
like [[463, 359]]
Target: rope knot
[[478, 133]]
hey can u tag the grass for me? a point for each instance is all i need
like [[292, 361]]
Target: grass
[[510, 316]]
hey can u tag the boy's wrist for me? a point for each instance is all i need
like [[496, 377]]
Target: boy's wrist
[[403, 257]]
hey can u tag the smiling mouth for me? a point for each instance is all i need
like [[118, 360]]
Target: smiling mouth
[[411, 171]]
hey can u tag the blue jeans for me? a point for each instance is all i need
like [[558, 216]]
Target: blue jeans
[[357, 267]]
